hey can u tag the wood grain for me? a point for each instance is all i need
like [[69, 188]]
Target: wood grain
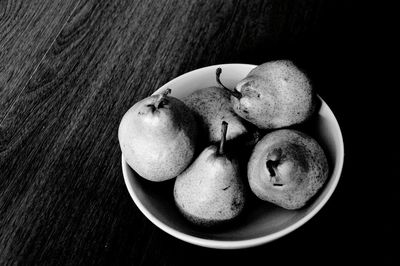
[[62, 196], [27, 30]]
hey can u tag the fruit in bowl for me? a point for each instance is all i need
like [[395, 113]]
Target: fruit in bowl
[[158, 136], [274, 95], [210, 192], [287, 168], [260, 221], [212, 105]]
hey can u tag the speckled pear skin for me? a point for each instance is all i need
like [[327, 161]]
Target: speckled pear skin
[[212, 105], [158, 144], [210, 192], [274, 95], [303, 169]]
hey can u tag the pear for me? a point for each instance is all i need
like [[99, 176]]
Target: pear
[[210, 191], [287, 168], [158, 137], [212, 105], [274, 95]]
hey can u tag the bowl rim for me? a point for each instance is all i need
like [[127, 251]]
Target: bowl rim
[[236, 244]]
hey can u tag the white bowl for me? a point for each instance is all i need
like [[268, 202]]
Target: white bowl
[[262, 222]]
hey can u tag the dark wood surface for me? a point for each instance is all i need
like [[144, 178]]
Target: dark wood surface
[[27, 30], [70, 69]]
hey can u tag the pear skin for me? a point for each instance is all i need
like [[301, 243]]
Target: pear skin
[[274, 95], [210, 192], [158, 137], [287, 168], [212, 105]]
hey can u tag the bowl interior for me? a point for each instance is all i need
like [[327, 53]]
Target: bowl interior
[[261, 222]]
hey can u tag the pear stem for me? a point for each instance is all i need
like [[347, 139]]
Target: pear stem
[[224, 128], [234, 92], [271, 167], [272, 164], [274, 178], [161, 97]]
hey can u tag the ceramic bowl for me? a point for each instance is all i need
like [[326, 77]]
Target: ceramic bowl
[[262, 222]]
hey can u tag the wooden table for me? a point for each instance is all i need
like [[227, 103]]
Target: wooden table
[[70, 69]]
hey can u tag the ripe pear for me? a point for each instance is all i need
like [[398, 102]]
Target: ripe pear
[[212, 105], [210, 192], [274, 95], [158, 137], [287, 168]]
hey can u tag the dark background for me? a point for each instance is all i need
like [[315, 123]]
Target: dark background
[[70, 69]]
